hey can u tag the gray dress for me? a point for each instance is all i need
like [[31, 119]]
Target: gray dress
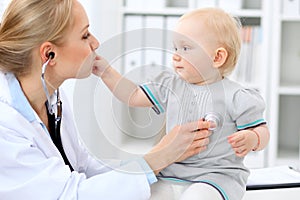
[[238, 108]]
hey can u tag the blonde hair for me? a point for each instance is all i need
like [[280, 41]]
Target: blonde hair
[[225, 29], [27, 24]]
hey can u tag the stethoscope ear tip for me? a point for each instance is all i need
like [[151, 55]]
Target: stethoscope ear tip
[[51, 55]]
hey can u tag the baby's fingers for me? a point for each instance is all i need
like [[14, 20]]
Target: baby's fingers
[[234, 138]]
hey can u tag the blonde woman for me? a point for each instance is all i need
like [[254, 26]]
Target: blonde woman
[[206, 48], [43, 43]]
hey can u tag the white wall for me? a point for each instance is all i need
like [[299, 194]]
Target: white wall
[[104, 17], [94, 119], [103, 122]]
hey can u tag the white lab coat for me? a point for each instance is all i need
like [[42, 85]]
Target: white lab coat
[[32, 168]]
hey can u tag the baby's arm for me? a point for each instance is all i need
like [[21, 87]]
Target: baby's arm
[[247, 140], [124, 89]]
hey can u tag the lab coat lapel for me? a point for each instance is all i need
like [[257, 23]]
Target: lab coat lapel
[[44, 142], [32, 131]]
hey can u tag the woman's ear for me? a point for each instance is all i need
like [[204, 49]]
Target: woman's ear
[[47, 52], [220, 57]]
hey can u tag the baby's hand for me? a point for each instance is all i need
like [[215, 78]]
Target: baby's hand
[[100, 65], [243, 142]]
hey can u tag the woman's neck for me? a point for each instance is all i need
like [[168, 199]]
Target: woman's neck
[[33, 90]]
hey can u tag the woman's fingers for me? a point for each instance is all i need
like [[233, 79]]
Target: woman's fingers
[[197, 150], [201, 134], [196, 125], [200, 143]]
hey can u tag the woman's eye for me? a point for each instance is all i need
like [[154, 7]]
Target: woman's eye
[[86, 36]]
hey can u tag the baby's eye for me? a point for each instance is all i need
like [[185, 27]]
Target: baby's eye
[[186, 48], [175, 48]]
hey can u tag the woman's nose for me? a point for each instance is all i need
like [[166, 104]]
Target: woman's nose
[[176, 57], [94, 43]]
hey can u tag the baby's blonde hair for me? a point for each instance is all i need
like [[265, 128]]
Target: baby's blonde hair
[[226, 30], [27, 24]]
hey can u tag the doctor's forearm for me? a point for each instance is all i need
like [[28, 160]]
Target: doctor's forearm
[[155, 163]]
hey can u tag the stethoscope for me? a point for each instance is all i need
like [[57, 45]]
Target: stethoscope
[[50, 107]]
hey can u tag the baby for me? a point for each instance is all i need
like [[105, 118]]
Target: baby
[[207, 44]]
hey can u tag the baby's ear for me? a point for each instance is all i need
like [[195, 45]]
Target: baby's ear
[[220, 57]]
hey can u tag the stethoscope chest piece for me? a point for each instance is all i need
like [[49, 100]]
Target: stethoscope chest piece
[[215, 119]]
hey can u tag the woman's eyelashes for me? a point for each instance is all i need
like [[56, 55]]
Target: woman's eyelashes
[[86, 36]]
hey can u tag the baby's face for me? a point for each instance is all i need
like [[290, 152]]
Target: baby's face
[[194, 52]]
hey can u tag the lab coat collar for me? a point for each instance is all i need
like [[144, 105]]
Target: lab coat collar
[[4, 90], [18, 99]]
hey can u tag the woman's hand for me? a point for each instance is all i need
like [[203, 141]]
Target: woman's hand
[[243, 142], [182, 142]]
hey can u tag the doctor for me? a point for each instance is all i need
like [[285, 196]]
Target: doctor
[[43, 43]]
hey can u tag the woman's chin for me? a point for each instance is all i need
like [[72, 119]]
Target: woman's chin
[[83, 74]]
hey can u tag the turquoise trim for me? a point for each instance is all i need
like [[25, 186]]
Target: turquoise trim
[[175, 180], [251, 124], [218, 187], [223, 193], [153, 98]]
